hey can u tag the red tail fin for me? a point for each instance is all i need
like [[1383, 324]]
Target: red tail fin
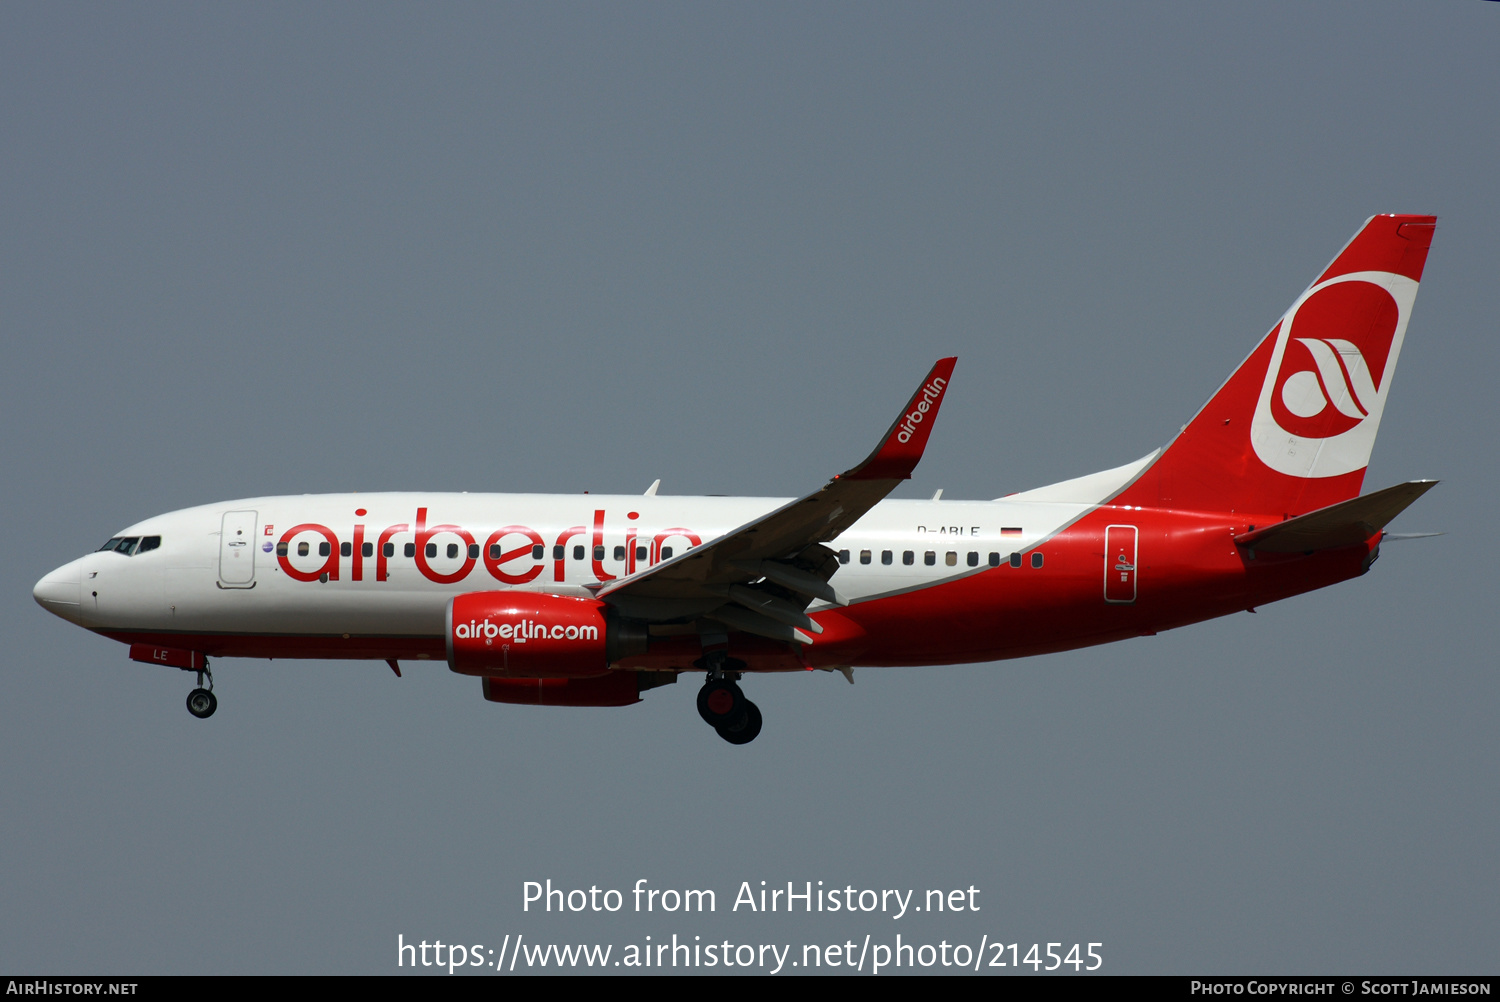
[[1292, 429]]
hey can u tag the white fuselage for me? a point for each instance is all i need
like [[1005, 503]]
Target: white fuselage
[[201, 579]]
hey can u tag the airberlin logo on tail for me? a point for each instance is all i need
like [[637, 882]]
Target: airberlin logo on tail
[[1330, 368], [1340, 379], [928, 399]]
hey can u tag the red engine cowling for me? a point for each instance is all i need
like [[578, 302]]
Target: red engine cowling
[[522, 634], [616, 688], [619, 687]]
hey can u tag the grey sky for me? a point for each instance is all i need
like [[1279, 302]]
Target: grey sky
[[264, 249]]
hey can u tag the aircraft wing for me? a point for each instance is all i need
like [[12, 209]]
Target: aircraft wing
[[1347, 523], [760, 577]]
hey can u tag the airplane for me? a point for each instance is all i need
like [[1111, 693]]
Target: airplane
[[590, 600]]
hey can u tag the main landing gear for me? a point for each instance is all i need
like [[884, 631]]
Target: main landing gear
[[724, 707], [202, 702]]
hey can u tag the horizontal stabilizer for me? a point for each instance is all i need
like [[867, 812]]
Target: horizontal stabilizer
[[1347, 523]]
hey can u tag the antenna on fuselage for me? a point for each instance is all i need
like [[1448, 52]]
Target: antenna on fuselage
[[651, 491]]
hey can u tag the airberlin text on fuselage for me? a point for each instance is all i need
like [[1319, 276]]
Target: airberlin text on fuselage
[[510, 564], [918, 414]]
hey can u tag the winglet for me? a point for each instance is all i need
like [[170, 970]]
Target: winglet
[[904, 443]]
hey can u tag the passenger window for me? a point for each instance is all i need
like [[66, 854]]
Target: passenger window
[[620, 553], [346, 549], [952, 558], [473, 551], [864, 556], [885, 557], [666, 553], [908, 558], [974, 558], [640, 553], [1036, 558], [410, 549], [1015, 560], [389, 549], [536, 551], [558, 551], [599, 553], [929, 558], [367, 549], [494, 551], [431, 549], [994, 560], [303, 549], [324, 549], [149, 543], [577, 553], [281, 548], [452, 551], [843, 556]]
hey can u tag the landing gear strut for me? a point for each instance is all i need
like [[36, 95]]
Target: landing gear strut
[[202, 702], [724, 707]]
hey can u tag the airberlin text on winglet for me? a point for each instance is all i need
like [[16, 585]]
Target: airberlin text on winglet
[[901, 448], [930, 393]]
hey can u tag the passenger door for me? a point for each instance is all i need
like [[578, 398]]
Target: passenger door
[[237, 550]]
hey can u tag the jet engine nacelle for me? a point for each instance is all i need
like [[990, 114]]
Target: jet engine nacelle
[[615, 688], [522, 634]]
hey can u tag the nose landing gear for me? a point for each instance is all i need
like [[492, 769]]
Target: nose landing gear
[[202, 702]]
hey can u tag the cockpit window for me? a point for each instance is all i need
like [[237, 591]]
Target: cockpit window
[[129, 545]]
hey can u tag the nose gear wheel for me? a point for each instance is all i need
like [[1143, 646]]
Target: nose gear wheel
[[202, 703]]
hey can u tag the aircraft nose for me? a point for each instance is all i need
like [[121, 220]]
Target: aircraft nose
[[58, 592]]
